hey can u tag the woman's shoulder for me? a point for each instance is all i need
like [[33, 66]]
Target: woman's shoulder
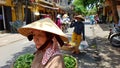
[[57, 57], [56, 60]]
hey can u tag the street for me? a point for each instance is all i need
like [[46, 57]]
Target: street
[[98, 15], [13, 45]]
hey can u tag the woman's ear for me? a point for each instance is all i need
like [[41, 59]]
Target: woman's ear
[[30, 37]]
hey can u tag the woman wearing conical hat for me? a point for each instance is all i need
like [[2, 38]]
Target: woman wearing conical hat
[[47, 37], [78, 33]]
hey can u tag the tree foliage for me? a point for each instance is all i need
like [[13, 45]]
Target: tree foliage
[[82, 6]]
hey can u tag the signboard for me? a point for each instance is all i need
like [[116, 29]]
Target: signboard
[[2, 1]]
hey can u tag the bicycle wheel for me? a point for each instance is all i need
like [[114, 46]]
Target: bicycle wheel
[[115, 40]]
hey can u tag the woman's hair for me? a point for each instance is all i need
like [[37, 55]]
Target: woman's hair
[[48, 34], [49, 39]]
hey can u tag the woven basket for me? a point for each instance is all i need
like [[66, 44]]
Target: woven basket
[[76, 66], [66, 48]]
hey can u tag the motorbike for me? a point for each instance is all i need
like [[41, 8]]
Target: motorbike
[[114, 37], [15, 25]]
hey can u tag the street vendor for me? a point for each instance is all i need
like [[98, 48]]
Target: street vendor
[[78, 33], [47, 37]]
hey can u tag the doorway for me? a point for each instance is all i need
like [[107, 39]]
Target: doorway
[[1, 19]]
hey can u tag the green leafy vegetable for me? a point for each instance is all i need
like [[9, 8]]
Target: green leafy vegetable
[[70, 61], [24, 61]]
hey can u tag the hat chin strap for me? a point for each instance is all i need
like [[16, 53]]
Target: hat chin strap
[[60, 41], [46, 43]]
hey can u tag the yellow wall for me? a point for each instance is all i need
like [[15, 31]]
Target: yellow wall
[[13, 14], [8, 3]]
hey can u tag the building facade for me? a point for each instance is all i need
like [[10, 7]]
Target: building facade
[[12, 10], [5, 14]]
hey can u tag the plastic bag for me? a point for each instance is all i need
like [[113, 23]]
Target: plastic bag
[[83, 45]]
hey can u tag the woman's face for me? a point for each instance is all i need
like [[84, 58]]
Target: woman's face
[[39, 37], [78, 19]]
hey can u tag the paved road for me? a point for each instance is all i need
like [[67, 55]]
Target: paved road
[[101, 56], [13, 45]]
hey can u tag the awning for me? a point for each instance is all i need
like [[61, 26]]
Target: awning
[[47, 6], [2, 1]]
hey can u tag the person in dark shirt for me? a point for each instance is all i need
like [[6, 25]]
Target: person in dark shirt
[[78, 33]]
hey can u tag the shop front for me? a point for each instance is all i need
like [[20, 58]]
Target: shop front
[[1, 19], [5, 14]]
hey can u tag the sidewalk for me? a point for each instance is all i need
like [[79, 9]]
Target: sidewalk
[[7, 38]]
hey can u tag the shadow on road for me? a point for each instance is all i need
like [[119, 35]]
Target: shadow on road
[[30, 49], [104, 27], [107, 56]]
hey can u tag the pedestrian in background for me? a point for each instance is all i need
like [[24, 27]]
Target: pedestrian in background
[[96, 19], [65, 22], [58, 21], [78, 33], [47, 37], [92, 19]]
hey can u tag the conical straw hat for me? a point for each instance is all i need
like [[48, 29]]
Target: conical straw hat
[[65, 16], [45, 24], [80, 16]]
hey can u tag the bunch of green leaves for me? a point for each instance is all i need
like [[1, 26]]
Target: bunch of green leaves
[[24, 61], [70, 61], [87, 3], [85, 7]]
